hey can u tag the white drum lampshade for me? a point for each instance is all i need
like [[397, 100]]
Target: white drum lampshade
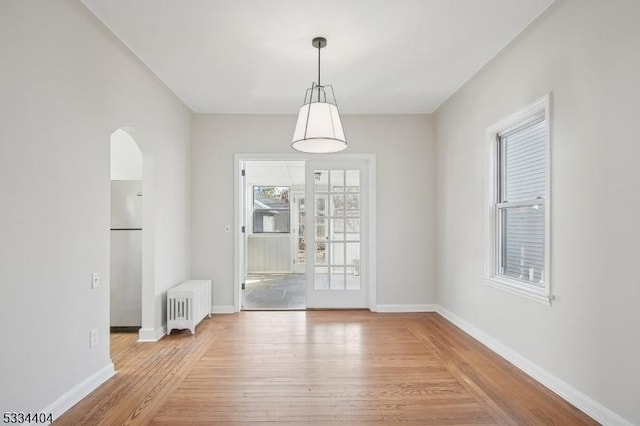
[[319, 129]]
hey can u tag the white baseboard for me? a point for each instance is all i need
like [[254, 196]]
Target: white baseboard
[[151, 335], [405, 308], [222, 309], [79, 391], [591, 407]]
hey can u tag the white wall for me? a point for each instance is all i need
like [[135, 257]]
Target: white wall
[[67, 83], [587, 53], [405, 196]]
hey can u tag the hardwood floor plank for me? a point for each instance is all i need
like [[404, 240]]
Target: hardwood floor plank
[[320, 368]]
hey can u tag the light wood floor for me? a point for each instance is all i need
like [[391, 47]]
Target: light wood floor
[[321, 368]]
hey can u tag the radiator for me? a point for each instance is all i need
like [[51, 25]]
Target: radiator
[[187, 304]]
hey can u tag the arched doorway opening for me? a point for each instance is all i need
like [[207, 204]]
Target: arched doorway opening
[[130, 161], [126, 233]]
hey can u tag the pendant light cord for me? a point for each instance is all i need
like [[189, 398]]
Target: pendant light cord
[[319, 47]]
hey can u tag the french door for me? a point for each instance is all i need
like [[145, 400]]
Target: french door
[[336, 224]]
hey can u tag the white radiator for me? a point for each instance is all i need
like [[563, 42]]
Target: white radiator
[[187, 304]]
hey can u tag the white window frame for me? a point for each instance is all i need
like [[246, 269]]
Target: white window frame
[[494, 279]]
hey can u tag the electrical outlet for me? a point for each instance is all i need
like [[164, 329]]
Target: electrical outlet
[[93, 338], [95, 280]]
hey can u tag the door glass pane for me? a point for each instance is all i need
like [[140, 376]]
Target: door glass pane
[[337, 205], [337, 180], [321, 204], [353, 268], [321, 179], [353, 227], [321, 229], [337, 254], [337, 278], [337, 229], [352, 202], [321, 253], [300, 257], [322, 278], [352, 277], [352, 253], [353, 181], [302, 247]]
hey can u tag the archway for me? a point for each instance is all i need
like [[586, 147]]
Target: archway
[[125, 289], [132, 290]]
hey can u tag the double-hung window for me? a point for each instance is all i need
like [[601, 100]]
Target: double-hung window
[[519, 206]]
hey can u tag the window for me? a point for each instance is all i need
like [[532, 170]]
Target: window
[[271, 209], [519, 203]]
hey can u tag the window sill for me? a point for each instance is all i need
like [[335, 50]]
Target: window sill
[[514, 287]]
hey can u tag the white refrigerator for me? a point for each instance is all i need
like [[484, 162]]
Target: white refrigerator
[[126, 253]]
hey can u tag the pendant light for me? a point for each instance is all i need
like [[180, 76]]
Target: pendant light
[[319, 129]]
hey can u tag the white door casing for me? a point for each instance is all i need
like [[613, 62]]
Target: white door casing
[[368, 271]]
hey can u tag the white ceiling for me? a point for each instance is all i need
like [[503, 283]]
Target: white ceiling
[[255, 56]]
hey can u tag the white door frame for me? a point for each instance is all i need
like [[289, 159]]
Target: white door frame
[[238, 189]]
